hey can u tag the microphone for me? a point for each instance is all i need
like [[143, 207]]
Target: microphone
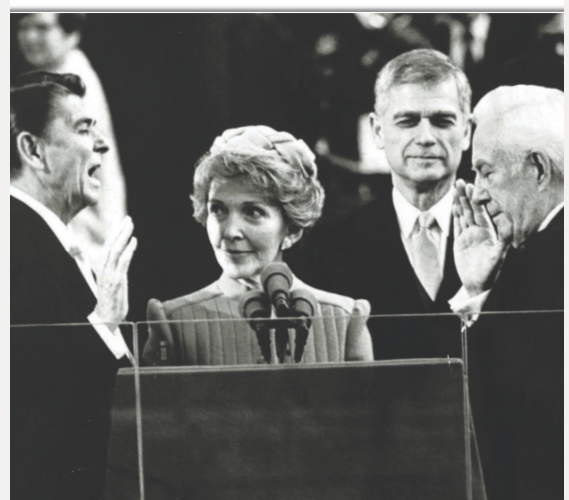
[[303, 305], [277, 280], [256, 308]]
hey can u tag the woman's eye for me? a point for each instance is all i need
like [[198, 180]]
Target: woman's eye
[[215, 209], [255, 212]]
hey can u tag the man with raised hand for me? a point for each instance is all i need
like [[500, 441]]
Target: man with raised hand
[[62, 377], [510, 257]]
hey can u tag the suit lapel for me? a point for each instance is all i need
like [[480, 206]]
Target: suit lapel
[[62, 267], [451, 281], [385, 244]]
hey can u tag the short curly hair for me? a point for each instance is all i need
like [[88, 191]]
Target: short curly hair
[[280, 179]]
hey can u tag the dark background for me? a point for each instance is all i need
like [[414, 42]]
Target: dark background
[[176, 81]]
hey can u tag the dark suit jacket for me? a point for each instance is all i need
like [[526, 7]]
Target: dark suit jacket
[[516, 373], [361, 255], [62, 378]]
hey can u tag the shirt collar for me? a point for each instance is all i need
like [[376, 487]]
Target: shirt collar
[[53, 221], [407, 214], [551, 216]]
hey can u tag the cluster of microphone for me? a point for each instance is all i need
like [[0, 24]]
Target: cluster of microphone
[[292, 310]]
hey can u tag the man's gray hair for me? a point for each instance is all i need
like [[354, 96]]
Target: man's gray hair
[[422, 67], [530, 117]]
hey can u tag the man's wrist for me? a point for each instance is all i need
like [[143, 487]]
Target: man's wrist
[[474, 291], [112, 324]]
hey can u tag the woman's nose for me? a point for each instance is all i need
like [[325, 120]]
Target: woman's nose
[[232, 228]]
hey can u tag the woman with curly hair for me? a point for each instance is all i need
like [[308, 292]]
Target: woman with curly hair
[[256, 191]]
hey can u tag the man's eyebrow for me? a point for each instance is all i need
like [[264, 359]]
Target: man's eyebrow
[[85, 121], [430, 114], [479, 164], [443, 114], [406, 114]]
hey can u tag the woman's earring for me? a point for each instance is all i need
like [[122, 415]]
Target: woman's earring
[[286, 244]]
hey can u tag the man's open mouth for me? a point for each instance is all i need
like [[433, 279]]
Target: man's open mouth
[[92, 170]]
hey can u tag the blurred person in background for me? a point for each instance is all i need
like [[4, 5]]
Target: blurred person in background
[[256, 191], [396, 251], [50, 41]]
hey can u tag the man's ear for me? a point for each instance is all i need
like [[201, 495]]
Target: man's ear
[[465, 144], [543, 168], [377, 130], [30, 150]]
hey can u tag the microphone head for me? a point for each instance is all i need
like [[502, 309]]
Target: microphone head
[[276, 275], [254, 304], [277, 280], [303, 303]]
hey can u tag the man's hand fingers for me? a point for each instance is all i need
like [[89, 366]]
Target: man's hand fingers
[[456, 222], [467, 214], [119, 243], [126, 257], [461, 197], [483, 219]]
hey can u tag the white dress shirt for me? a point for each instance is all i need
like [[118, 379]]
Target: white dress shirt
[[113, 340], [408, 214], [468, 307]]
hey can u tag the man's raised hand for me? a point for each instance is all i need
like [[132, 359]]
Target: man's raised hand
[[478, 250], [112, 284]]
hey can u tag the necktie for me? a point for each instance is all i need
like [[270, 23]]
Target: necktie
[[76, 251], [424, 243]]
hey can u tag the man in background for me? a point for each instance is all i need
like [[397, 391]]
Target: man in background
[[62, 377], [396, 251], [509, 252]]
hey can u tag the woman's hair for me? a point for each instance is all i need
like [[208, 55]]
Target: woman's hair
[[279, 167]]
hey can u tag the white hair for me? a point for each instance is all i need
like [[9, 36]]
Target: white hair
[[530, 117]]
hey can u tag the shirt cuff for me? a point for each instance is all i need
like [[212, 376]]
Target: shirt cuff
[[113, 340], [467, 307]]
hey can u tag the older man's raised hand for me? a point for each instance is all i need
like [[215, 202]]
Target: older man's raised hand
[[112, 284], [478, 250]]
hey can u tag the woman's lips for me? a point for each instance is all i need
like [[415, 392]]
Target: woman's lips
[[237, 252]]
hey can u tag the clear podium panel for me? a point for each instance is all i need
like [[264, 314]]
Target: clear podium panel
[[224, 422], [62, 381], [226, 341]]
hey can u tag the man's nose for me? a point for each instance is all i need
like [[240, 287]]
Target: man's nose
[[101, 145], [425, 136], [480, 196]]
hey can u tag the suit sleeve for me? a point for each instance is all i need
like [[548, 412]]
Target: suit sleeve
[[358, 340], [159, 331]]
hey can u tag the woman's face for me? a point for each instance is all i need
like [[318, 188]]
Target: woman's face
[[245, 231]]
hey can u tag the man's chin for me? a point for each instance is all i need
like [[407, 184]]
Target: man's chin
[[504, 230], [91, 198]]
